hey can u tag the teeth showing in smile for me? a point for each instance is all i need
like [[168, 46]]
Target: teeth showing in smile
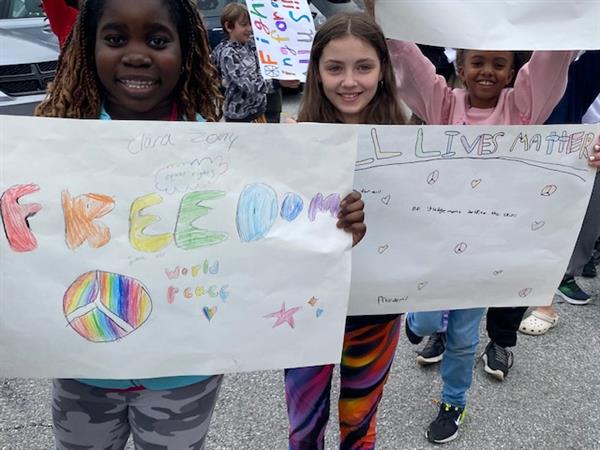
[[485, 82], [135, 84], [349, 96]]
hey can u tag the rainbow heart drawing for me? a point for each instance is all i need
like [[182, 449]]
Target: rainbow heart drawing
[[209, 313]]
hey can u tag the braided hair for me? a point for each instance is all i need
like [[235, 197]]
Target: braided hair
[[76, 91]]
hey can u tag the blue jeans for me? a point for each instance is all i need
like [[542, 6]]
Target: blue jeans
[[459, 357]]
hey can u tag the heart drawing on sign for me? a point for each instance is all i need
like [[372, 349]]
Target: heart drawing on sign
[[475, 183], [422, 285], [433, 177], [536, 225], [525, 292], [383, 248], [548, 190], [497, 272], [461, 248], [318, 312], [386, 200], [209, 313]]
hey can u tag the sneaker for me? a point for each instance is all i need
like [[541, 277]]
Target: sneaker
[[445, 426], [412, 337], [433, 351], [497, 360], [589, 270], [572, 293]]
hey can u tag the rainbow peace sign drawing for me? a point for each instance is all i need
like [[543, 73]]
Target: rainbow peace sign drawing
[[105, 307]]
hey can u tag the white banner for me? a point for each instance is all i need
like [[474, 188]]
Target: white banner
[[467, 216], [493, 25], [283, 32], [145, 249]]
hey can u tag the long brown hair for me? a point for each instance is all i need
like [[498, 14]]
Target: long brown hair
[[384, 108], [77, 92]]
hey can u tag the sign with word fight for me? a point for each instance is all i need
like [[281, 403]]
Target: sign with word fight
[[283, 32]]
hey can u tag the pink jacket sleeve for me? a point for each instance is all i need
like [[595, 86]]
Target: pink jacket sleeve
[[426, 93], [540, 84]]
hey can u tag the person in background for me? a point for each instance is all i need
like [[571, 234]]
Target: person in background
[[580, 104], [237, 62], [62, 15]]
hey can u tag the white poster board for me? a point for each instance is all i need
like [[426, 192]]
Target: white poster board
[[145, 249], [493, 25], [283, 32], [467, 216]]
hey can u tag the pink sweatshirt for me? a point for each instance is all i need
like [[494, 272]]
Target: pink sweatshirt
[[539, 86]]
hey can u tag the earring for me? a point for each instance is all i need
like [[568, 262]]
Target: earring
[[381, 84]]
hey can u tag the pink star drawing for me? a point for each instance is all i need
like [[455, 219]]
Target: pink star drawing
[[284, 315]]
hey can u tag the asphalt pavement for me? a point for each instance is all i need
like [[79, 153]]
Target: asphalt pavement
[[550, 400]]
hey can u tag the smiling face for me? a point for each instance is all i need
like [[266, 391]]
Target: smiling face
[[138, 58], [349, 71], [241, 31], [485, 74]]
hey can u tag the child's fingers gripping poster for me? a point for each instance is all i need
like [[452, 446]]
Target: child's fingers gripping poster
[[467, 216], [283, 33], [141, 249]]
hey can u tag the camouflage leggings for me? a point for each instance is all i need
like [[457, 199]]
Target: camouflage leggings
[[91, 418]]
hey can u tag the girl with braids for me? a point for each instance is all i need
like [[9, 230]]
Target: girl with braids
[[143, 60], [350, 80]]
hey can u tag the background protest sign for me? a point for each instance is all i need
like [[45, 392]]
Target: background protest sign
[[493, 25], [467, 216], [143, 249], [283, 32]]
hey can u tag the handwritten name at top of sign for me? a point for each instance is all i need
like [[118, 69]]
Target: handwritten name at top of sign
[[257, 210], [283, 32]]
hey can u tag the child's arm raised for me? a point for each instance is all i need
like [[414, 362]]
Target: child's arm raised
[[540, 84], [351, 217], [426, 93]]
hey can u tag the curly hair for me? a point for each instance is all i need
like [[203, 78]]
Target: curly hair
[[384, 108], [76, 91]]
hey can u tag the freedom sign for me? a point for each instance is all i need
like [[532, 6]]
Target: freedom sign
[[145, 249]]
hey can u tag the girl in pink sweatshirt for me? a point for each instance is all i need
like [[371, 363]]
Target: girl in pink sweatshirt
[[486, 100]]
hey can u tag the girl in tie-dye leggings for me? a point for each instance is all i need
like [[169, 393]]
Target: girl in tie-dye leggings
[[349, 80], [368, 352]]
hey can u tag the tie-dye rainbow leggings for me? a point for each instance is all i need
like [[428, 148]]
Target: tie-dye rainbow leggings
[[369, 347]]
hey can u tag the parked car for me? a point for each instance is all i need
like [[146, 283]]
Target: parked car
[[28, 56]]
